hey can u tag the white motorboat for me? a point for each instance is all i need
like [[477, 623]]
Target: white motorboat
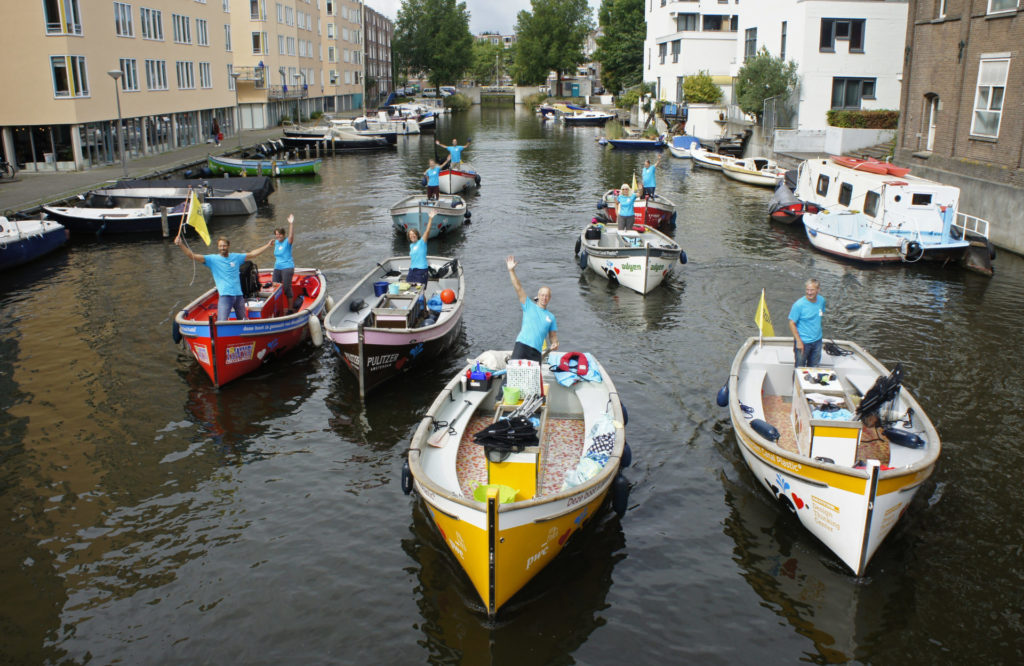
[[681, 145], [850, 234], [453, 181], [753, 171], [706, 159], [587, 117], [413, 213], [638, 258]]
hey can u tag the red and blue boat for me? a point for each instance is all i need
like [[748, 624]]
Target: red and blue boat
[[230, 349]]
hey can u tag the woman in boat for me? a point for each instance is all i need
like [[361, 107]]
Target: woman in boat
[[418, 253], [284, 265], [433, 174], [224, 265], [538, 323], [625, 215], [454, 151], [649, 178]]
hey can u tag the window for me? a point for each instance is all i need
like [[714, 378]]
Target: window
[[940, 8], [205, 78], [334, 77], [330, 31], [69, 77], [662, 51], [782, 45], [871, 199], [332, 54], [988, 99], [291, 46], [750, 44], [227, 36], [676, 46], [226, 4], [156, 75], [715, 22], [845, 194], [182, 29], [62, 17], [259, 43], [280, 44], [129, 75], [202, 38], [330, 11], [231, 79], [833, 29], [822, 187], [847, 93], [123, 20], [280, 13], [920, 199], [289, 16], [186, 75], [152, 23], [258, 10], [995, 6], [344, 34]]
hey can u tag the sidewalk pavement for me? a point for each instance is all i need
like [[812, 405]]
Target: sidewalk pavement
[[29, 190]]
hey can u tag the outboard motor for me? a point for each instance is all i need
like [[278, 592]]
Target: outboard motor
[[249, 275]]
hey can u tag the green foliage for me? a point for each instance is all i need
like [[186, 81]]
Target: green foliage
[[700, 88], [433, 36], [549, 38], [629, 98], [534, 100], [458, 102], [620, 50], [315, 115], [763, 76], [877, 119], [487, 62]]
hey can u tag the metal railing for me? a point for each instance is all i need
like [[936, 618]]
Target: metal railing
[[287, 92], [972, 225]]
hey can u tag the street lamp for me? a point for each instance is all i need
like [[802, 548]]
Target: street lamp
[[116, 75], [238, 111]]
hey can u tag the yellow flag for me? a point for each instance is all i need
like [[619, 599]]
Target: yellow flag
[[195, 218], [763, 319], [634, 183]]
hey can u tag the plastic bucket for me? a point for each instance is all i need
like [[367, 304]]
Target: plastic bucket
[[393, 288], [506, 494], [512, 395], [380, 288]]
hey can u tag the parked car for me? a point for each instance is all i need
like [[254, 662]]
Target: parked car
[[430, 92], [447, 90]]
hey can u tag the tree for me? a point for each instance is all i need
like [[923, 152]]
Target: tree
[[432, 36], [763, 76], [550, 37], [700, 88], [488, 63], [620, 49]]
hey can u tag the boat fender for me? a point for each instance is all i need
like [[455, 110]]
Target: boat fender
[[627, 456], [905, 438], [467, 215], [356, 305], [765, 429], [991, 250], [476, 179], [620, 495], [583, 259], [601, 205], [175, 332], [579, 243], [723, 395], [330, 303], [912, 251], [316, 331], [205, 172], [672, 222], [853, 246], [423, 181], [812, 232], [682, 256], [406, 477]]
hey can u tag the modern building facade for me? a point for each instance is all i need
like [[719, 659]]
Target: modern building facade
[[379, 68]]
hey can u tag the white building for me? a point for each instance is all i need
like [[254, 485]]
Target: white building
[[686, 37], [849, 53]]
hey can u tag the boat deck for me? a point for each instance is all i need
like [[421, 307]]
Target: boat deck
[[778, 410], [561, 449]]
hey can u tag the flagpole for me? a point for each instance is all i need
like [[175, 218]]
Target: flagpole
[[760, 327]]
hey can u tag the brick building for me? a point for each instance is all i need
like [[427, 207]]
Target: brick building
[[379, 79], [962, 106]]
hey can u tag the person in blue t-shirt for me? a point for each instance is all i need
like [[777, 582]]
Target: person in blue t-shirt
[[625, 217], [805, 323], [284, 265], [650, 180], [455, 151], [433, 174], [538, 323], [418, 265], [224, 265]]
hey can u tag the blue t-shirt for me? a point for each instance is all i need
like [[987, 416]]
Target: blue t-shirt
[[537, 323], [225, 272], [283, 254], [418, 254], [648, 175], [626, 205], [432, 176], [456, 153], [807, 317]]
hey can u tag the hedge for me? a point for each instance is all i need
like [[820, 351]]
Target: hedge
[[879, 119]]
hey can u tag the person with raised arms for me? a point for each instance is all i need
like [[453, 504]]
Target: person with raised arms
[[539, 323]]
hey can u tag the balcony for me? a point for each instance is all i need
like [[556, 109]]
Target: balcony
[[288, 92], [257, 75]]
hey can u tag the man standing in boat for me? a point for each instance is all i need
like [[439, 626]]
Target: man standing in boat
[[224, 265], [538, 323], [433, 174], [454, 151], [649, 178], [805, 323]]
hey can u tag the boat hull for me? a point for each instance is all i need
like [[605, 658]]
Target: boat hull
[[641, 269], [112, 221], [453, 181], [414, 213], [752, 177], [264, 167], [680, 146], [637, 144], [21, 241], [706, 160]]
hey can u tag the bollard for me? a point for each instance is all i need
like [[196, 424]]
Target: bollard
[[307, 151], [163, 221]]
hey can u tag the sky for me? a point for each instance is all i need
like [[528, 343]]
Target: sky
[[484, 15]]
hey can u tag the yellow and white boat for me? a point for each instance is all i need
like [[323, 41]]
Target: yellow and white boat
[[841, 445], [504, 520]]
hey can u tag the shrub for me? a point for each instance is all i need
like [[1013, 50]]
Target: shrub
[[877, 119], [536, 99], [458, 102], [700, 88], [629, 98]]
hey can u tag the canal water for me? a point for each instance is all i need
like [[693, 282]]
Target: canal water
[[150, 518]]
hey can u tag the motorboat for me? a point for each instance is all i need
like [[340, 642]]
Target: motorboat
[[334, 139], [222, 202], [638, 258], [453, 181], [759, 171], [588, 117], [413, 213], [638, 143], [910, 207], [707, 159], [148, 219], [263, 166], [657, 211], [383, 326], [851, 235], [21, 241], [843, 446], [230, 349], [508, 483], [261, 187], [681, 145]]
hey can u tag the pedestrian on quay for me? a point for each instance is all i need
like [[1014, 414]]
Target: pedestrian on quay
[[418, 265], [454, 151], [649, 178], [805, 323], [539, 323], [225, 265], [433, 176], [284, 265], [625, 217], [215, 132]]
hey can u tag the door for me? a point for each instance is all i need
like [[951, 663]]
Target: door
[[933, 118]]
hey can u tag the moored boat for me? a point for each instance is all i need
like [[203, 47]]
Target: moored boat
[[849, 234], [506, 510], [384, 326], [657, 211], [227, 350], [786, 208], [707, 159], [413, 213], [263, 167], [145, 220], [21, 241], [753, 171], [453, 181], [221, 202], [334, 139], [682, 144], [839, 445], [638, 143], [587, 117], [637, 258]]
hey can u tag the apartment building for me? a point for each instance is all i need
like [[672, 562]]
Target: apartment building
[[685, 37], [505, 41], [379, 76]]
